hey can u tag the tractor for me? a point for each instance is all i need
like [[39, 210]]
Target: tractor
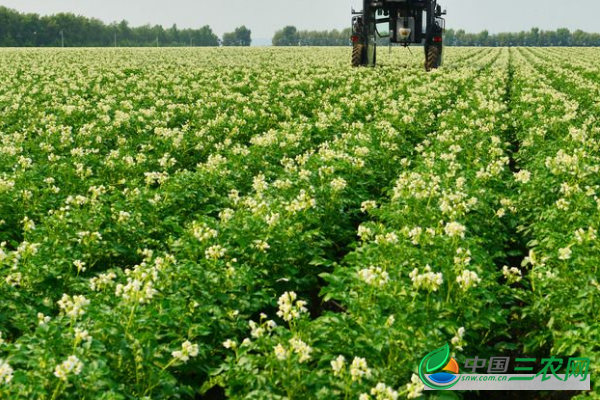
[[409, 21]]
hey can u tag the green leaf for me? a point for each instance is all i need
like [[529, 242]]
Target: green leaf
[[438, 358]]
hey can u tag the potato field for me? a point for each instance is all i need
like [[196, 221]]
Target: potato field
[[274, 224]]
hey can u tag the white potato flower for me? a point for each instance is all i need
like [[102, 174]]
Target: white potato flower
[[301, 349], [215, 252], [374, 276], [82, 335], [280, 352], [338, 184], [289, 307], [383, 392], [457, 340], [428, 280], [454, 229], [71, 366], [512, 275], [338, 365], [415, 387], [364, 232], [188, 350], [6, 372], [359, 369], [80, 265], [261, 245], [468, 279], [564, 254], [73, 307], [523, 176], [368, 205]]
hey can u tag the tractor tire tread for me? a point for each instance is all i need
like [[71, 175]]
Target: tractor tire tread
[[357, 55], [433, 58]]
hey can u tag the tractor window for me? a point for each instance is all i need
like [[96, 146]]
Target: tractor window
[[383, 29]]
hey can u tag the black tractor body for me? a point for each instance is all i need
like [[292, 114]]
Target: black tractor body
[[406, 21]]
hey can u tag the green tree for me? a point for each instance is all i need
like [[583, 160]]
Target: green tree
[[173, 36], [563, 37], [229, 39], [325, 38], [483, 38], [206, 37], [242, 36], [288, 36]]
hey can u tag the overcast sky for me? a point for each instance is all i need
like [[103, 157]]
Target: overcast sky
[[263, 17]]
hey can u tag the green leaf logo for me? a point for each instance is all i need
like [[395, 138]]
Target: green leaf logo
[[435, 362], [437, 359]]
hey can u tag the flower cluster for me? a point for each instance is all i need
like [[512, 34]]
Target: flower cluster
[[188, 350], [338, 365], [289, 307], [301, 349], [359, 369], [523, 176], [82, 335], [374, 276], [136, 290], [468, 279], [454, 229], [338, 184], [258, 330], [280, 352], [512, 274], [415, 387], [71, 366], [73, 307], [368, 205], [428, 280], [380, 392], [215, 252], [203, 232], [457, 340], [6, 372], [141, 280], [297, 347], [261, 246], [102, 281], [565, 253], [80, 265]]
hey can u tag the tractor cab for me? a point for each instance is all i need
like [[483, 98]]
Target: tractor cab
[[410, 22]]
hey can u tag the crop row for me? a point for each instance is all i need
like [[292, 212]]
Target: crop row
[[557, 195]]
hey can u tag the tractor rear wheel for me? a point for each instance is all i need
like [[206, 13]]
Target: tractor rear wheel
[[433, 59], [358, 51]]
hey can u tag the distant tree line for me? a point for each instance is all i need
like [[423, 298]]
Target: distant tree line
[[291, 36], [533, 38], [31, 30]]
